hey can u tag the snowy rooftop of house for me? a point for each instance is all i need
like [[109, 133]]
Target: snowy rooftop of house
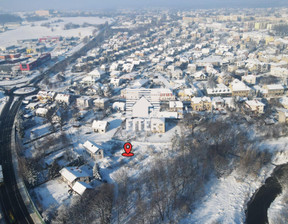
[[100, 100], [200, 99], [41, 111], [96, 72], [165, 114], [46, 93], [158, 120], [72, 173], [284, 100], [175, 104], [90, 147], [80, 187], [211, 59], [99, 124], [238, 85], [139, 83], [61, 96], [254, 103], [275, 87], [88, 79], [220, 88]]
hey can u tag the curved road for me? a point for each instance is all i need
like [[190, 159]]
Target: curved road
[[11, 201]]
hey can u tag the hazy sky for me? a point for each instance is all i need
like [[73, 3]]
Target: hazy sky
[[12, 5]]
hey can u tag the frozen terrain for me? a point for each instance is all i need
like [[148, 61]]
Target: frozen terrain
[[35, 30]]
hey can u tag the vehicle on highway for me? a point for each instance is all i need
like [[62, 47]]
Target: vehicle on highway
[[11, 218]]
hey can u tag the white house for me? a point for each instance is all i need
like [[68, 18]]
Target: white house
[[63, 98], [41, 112], [80, 187], [199, 76], [71, 175], [118, 106], [95, 152], [219, 90], [249, 79], [83, 102], [96, 74], [255, 106], [116, 82], [100, 126]]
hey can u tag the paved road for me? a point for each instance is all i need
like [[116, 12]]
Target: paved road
[[11, 201]]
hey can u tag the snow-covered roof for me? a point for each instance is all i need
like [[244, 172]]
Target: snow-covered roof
[[90, 147], [79, 187], [61, 96], [275, 87], [238, 85], [284, 100], [166, 114], [175, 104], [96, 72], [219, 89], [42, 111], [99, 124], [200, 99], [254, 103], [72, 173]]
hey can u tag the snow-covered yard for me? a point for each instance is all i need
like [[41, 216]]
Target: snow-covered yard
[[52, 193]]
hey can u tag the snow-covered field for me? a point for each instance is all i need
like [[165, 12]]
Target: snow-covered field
[[35, 30]]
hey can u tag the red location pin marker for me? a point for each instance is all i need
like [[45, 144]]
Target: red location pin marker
[[127, 147]]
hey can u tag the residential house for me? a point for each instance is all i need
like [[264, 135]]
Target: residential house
[[255, 106], [96, 74], [94, 151], [273, 90], [118, 106], [200, 76], [239, 88], [219, 90], [63, 98], [80, 187], [83, 102], [116, 82], [46, 95], [100, 126], [176, 106], [284, 102], [71, 175], [249, 79], [187, 94], [177, 74], [218, 103], [283, 116], [41, 112], [201, 103], [101, 103]]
